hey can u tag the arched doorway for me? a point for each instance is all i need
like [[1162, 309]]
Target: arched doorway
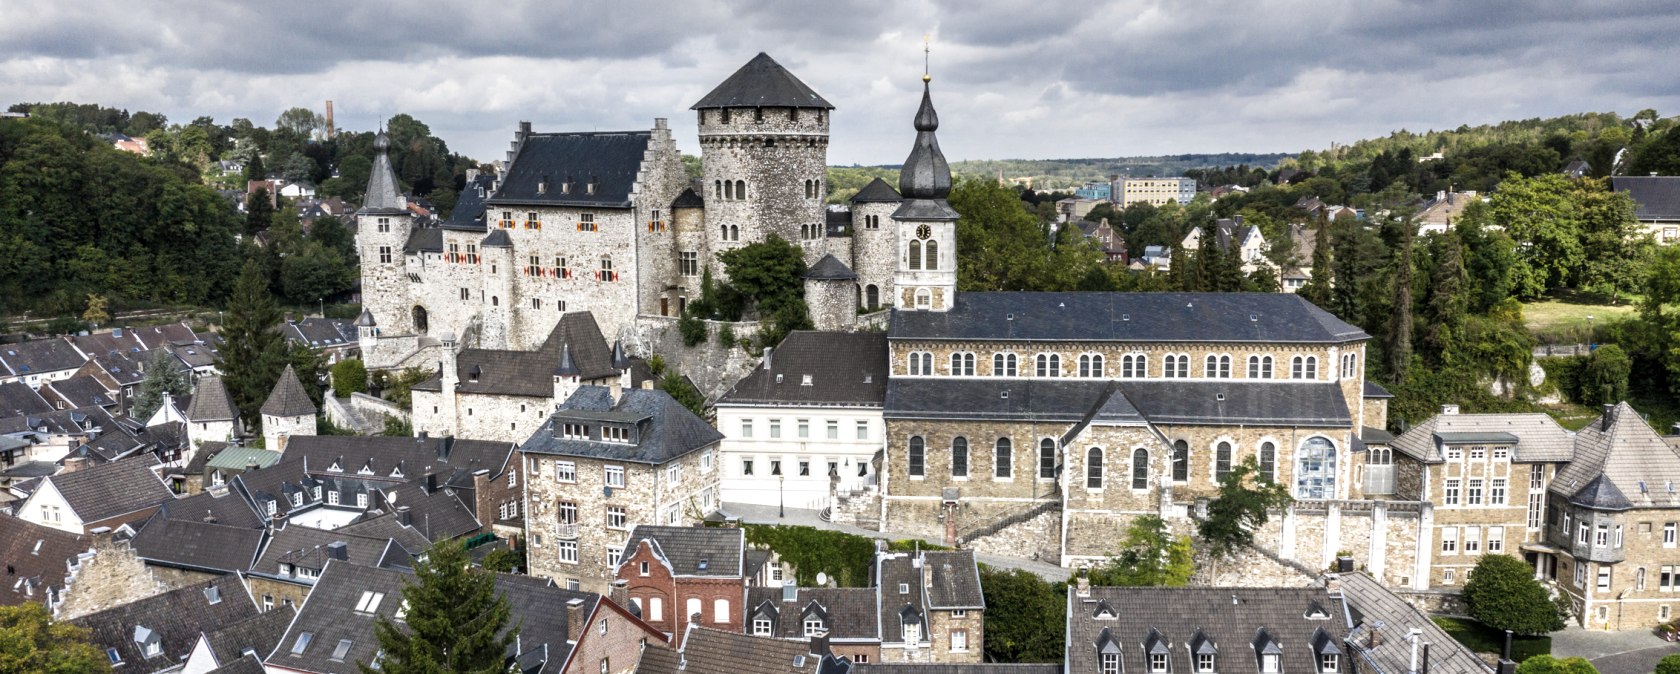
[[419, 319], [872, 297]]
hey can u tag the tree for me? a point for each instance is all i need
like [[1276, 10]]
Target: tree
[[349, 376], [1151, 557], [1604, 380], [1023, 616], [96, 312], [1317, 288], [1399, 347], [768, 273], [684, 392], [259, 211], [1660, 310], [1670, 664], [163, 375], [1503, 594], [1547, 664], [1446, 304], [253, 352], [456, 620], [1242, 506], [1000, 245], [32, 643]]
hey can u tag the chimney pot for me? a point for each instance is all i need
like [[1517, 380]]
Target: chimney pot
[[1609, 416], [767, 351]]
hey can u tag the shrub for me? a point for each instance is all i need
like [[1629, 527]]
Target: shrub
[[1546, 664], [692, 329], [1503, 594], [726, 336], [349, 376]]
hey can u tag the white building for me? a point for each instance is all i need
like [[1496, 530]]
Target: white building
[[806, 423], [1157, 191]]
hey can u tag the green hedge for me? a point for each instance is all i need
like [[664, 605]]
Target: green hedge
[[844, 557]]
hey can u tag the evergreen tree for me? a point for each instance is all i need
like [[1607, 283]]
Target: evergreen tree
[[1399, 347], [1446, 306], [1317, 288], [163, 375], [455, 622], [253, 352], [259, 212], [254, 169]]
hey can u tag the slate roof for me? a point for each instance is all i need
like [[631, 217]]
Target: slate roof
[[497, 238], [112, 489], [329, 616], [438, 515], [453, 460], [830, 268], [260, 633], [1655, 197], [1271, 318], [307, 547], [1199, 402], [1367, 603], [611, 159], [877, 191], [386, 525], [531, 373], [846, 368], [16, 399], [663, 429], [893, 572], [468, 213], [384, 193], [685, 548], [953, 580], [1373, 390], [320, 333], [1060, 400], [247, 664], [689, 199], [709, 651], [1620, 463], [764, 83], [848, 613], [540, 608], [176, 617], [191, 543], [238, 458], [36, 558], [288, 399], [211, 402], [39, 356], [79, 391], [1177, 613], [1538, 437], [1160, 401], [959, 668]]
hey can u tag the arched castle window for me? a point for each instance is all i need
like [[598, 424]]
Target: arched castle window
[[1303, 367], [1003, 365], [1134, 366], [1175, 366], [1315, 472], [915, 255], [1268, 461], [1048, 365], [931, 254], [921, 363], [924, 299], [1181, 461], [740, 189], [1259, 367], [1217, 367], [734, 232], [1140, 468], [495, 301], [1094, 468], [872, 297], [959, 457], [1091, 365], [962, 364], [1047, 459], [1003, 455], [1221, 460], [717, 185], [916, 454]]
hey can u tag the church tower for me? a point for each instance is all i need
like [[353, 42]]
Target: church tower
[[764, 159], [382, 226], [926, 278]]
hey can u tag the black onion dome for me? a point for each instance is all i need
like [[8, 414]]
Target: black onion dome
[[925, 174]]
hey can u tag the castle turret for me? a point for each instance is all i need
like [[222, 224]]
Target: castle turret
[[567, 376], [764, 159], [367, 333], [875, 243], [927, 225], [621, 362], [498, 290], [831, 291], [287, 412], [448, 380], [382, 227]]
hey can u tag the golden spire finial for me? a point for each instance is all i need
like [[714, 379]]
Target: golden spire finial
[[927, 38]]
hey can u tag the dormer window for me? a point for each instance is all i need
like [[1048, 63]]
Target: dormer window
[[761, 627], [1204, 662], [813, 626], [1328, 663], [1269, 663], [1108, 652]]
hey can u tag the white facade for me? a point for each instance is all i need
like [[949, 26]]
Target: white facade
[[48, 508], [802, 444]]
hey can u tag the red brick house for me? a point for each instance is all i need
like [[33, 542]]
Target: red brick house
[[671, 574]]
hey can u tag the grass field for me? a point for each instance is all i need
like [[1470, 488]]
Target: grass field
[[1562, 319], [1484, 639]]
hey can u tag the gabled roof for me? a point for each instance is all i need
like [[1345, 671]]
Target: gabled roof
[[40, 356], [846, 368], [468, 214], [378, 458], [329, 616], [1372, 603], [830, 268], [850, 613], [1620, 463], [259, 633], [1270, 318], [497, 238], [307, 547], [245, 664], [320, 333], [1538, 437], [37, 559], [197, 545], [1238, 620], [877, 191], [1654, 197], [80, 391], [694, 551], [689, 199], [17, 399], [709, 651], [953, 580], [558, 168], [762, 83], [175, 618], [663, 429], [288, 398], [211, 402], [112, 489], [531, 373]]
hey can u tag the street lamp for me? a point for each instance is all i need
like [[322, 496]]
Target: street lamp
[[781, 496]]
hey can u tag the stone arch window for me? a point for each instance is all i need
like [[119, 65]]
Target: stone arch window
[[1181, 461], [1268, 461], [729, 189], [740, 189], [872, 297], [717, 186], [1048, 365], [723, 232], [1175, 366], [1217, 367], [1047, 459], [1140, 468], [924, 298], [1134, 366], [495, 301], [1003, 454], [1315, 469], [959, 457], [931, 254], [420, 316], [1303, 367], [962, 364], [1094, 468], [1221, 460], [734, 232], [1003, 365], [1259, 367], [921, 363], [1091, 365], [917, 454], [915, 255]]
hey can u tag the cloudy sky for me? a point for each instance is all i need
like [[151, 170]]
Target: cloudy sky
[[1012, 79]]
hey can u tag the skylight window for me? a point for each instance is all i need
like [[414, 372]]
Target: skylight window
[[302, 643], [341, 650], [369, 601]]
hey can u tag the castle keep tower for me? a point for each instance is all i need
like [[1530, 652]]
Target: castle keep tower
[[382, 226], [926, 279], [764, 158]]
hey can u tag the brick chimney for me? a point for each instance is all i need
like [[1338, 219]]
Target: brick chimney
[[574, 620], [75, 463]]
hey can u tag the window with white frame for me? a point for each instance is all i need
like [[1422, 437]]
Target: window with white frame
[[1111, 663], [962, 364], [1472, 540], [1495, 539], [1496, 491], [617, 518], [1048, 365], [565, 471], [862, 430], [1175, 366], [1668, 535], [1259, 367], [959, 640], [1349, 361], [706, 461], [614, 476], [567, 550], [761, 627], [921, 363], [1450, 492], [1473, 495], [1303, 367], [1217, 367], [1134, 366], [1603, 578], [1091, 365], [1158, 663], [1449, 540], [1003, 365]]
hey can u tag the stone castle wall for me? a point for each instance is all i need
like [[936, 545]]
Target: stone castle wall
[[774, 151]]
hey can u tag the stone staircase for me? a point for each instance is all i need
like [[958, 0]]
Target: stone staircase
[[1008, 520]]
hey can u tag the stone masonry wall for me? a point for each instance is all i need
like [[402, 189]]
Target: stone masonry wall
[[874, 249], [112, 577], [774, 152]]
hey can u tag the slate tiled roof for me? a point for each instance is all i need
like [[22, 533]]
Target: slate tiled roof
[[1230, 617], [1199, 402], [1373, 390], [384, 194], [259, 633], [846, 368], [320, 333], [663, 429], [288, 399], [16, 399], [451, 459], [423, 240], [686, 548], [1368, 603], [437, 515], [197, 545], [211, 402], [1158, 401], [1538, 437], [709, 651], [689, 199], [1065, 400], [1272, 318], [531, 373], [903, 597], [329, 616], [848, 613], [877, 191], [307, 547], [247, 664], [468, 214], [541, 610], [830, 268], [959, 668], [1620, 463], [610, 159], [79, 391], [112, 489], [40, 356], [953, 580], [1654, 197], [36, 558], [177, 618], [386, 525], [762, 82]]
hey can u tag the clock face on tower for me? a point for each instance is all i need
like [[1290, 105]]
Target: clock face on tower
[[923, 232]]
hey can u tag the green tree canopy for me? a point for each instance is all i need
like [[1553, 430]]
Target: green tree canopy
[[1547, 664], [253, 353], [32, 643], [1503, 594], [1150, 556], [1242, 506], [1024, 616], [456, 621], [163, 375]]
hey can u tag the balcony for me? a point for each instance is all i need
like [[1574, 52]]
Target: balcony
[[567, 531]]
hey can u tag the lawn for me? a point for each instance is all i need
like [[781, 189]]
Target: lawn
[[1562, 318], [1484, 639]]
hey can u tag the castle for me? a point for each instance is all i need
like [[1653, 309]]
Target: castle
[[609, 223]]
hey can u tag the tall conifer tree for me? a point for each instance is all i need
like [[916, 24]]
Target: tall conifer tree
[[253, 352], [455, 620]]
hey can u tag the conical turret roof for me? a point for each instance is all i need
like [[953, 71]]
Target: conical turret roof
[[211, 402], [568, 367], [288, 399], [383, 194], [762, 83]]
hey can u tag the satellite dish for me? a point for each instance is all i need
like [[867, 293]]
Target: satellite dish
[[822, 578]]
